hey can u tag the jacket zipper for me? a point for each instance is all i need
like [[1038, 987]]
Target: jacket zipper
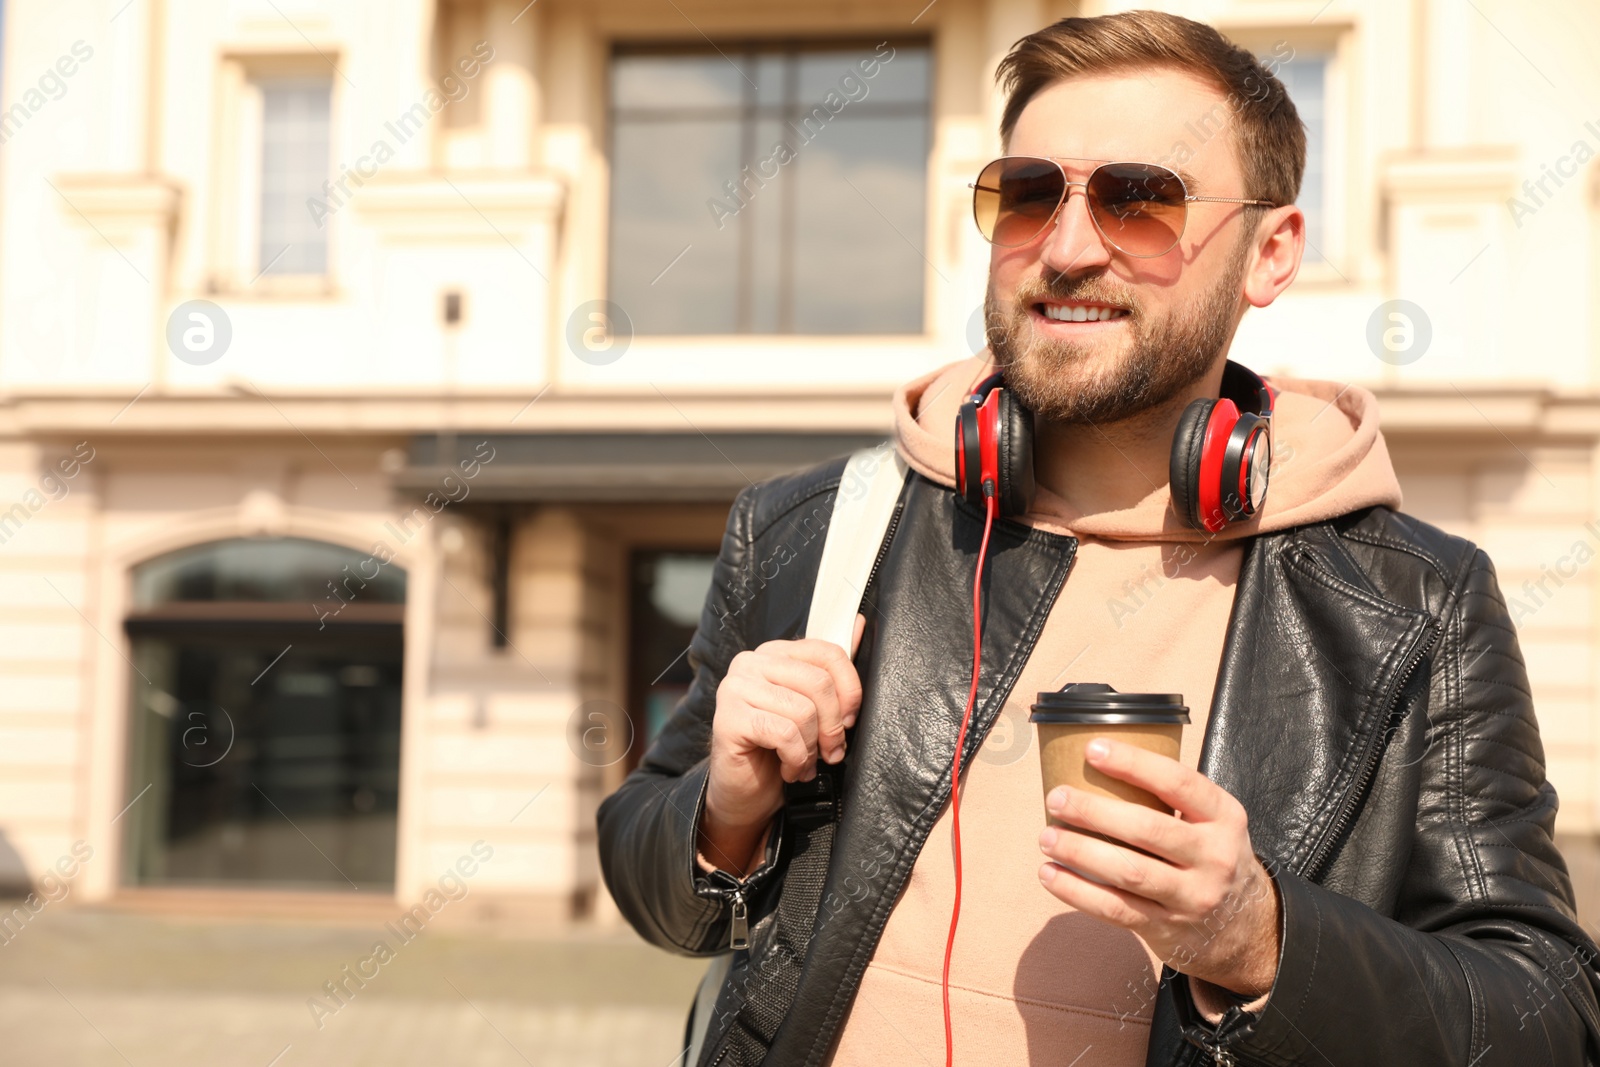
[[727, 887], [1313, 866], [739, 926], [1216, 1048], [883, 549]]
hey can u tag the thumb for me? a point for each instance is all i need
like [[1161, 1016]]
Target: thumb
[[855, 643]]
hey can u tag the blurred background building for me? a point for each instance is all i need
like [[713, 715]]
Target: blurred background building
[[375, 378]]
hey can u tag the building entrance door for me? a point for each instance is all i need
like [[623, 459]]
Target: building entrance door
[[265, 733]]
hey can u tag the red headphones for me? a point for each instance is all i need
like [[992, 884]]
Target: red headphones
[[1221, 451]]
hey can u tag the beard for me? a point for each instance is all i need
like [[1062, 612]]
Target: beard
[[1162, 358]]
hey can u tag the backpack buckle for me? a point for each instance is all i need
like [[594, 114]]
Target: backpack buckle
[[813, 803]]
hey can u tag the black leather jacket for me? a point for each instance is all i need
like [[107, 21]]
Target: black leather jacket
[[1372, 714]]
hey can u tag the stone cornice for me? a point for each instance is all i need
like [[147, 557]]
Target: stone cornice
[[1486, 409]]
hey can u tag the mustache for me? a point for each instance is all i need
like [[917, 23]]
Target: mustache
[[1035, 290]]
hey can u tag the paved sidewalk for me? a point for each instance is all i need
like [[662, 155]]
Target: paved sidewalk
[[89, 988]]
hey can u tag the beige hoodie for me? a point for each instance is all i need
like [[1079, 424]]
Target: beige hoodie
[[1145, 609]]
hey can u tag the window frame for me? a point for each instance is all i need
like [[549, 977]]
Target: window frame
[[1333, 43], [233, 254], [782, 45], [1334, 206]]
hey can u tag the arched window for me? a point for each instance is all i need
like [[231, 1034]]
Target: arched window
[[276, 570], [265, 740]]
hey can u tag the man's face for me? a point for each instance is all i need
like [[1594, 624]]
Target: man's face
[[1173, 315]]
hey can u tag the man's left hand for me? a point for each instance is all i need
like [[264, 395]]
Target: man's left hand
[[1201, 900]]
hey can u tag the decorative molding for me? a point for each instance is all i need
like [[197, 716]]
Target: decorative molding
[[434, 205], [1487, 172], [123, 198]]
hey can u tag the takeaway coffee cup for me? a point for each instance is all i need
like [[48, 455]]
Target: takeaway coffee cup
[[1067, 720]]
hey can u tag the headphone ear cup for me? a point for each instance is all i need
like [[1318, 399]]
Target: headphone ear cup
[[968, 461], [1015, 424], [1183, 469]]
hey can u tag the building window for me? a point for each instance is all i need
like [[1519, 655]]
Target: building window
[[1306, 78], [295, 114], [666, 594], [265, 740], [770, 189]]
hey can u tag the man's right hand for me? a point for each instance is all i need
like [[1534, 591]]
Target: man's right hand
[[780, 706]]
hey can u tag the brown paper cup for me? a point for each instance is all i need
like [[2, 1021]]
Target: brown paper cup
[[1069, 719], [1063, 762]]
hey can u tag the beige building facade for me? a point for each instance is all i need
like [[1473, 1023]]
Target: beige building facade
[[375, 378]]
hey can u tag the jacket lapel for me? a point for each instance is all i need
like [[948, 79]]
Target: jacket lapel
[[915, 665], [1309, 665]]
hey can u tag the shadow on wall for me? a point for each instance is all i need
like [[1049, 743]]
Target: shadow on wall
[[22, 899], [14, 880]]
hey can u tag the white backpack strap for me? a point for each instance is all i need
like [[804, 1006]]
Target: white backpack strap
[[862, 507]]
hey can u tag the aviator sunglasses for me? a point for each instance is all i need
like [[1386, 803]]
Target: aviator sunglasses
[[1139, 208]]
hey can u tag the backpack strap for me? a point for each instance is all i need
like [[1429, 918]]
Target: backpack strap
[[862, 507]]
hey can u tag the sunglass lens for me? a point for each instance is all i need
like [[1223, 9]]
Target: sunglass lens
[[1140, 208], [1015, 197]]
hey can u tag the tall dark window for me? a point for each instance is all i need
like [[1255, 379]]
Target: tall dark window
[[666, 593], [770, 189], [265, 742]]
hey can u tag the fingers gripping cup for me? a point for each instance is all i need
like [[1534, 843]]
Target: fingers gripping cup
[[1078, 713]]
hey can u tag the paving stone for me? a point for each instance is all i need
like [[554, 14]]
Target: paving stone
[[89, 988]]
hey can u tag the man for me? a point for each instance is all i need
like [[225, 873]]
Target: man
[[1360, 868]]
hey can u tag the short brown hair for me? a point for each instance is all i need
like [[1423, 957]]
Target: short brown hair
[[1270, 137]]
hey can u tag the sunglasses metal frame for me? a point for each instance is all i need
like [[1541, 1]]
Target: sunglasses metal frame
[[1068, 186]]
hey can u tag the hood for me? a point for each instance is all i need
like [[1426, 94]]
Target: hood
[[1329, 459]]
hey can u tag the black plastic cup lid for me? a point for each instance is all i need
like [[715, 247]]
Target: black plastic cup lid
[[1094, 703]]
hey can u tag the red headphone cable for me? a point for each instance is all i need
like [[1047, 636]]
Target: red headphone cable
[[990, 505]]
